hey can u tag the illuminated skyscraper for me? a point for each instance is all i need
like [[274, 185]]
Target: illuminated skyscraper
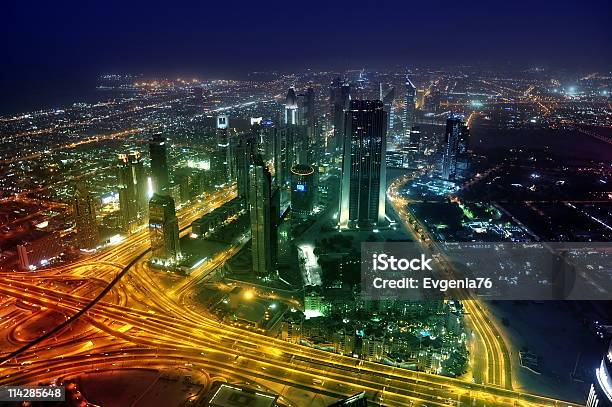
[[305, 105], [455, 147], [243, 154], [388, 97], [84, 210], [340, 96], [302, 190], [600, 393], [409, 100], [163, 230], [159, 164], [291, 107], [362, 194], [132, 184], [264, 218], [222, 164]]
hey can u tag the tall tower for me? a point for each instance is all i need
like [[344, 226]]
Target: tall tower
[[243, 155], [85, 218], [132, 190], [340, 96], [264, 217], [159, 164], [454, 127], [222, 164], [163, 230], [600, 393], [362, 194], [409, 100], [302, 190], [291, 107], [388, 97]]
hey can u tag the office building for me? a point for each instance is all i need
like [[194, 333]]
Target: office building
[[133, 191], [388, 97], [302, 190], [84, 210], [159, 164], [362, 194], [243, 155], [455, 148], [222, 164], [163, 230], [305, 108], [40, 252], [600, 392], [291, 108], [340, 96], [263, 211], [409, 107]]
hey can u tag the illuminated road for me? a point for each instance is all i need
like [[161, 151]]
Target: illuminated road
[[497, 369], [139, 324]]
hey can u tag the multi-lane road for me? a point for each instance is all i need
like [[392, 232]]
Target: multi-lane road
[[137, 323]]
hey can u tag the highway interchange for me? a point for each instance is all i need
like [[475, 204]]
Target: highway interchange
[[135, 322]]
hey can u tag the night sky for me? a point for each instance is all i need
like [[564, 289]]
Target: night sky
[[53, 50]]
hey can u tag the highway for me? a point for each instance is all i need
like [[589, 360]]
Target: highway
[[492, 348], [136, 322]]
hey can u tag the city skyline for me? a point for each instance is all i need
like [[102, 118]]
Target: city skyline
[[306, 205], [213, 41]]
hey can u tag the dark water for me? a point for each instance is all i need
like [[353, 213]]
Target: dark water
[[562, 143], [50, 94]]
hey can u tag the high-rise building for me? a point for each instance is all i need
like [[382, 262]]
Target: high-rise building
[[362, 194], [388, 97], [291, 107], [455, 138], [159, 164], [40, 252], [600, 392], [163, 230], [133, 192], [305, 108], [302, 190], [291, 149], [340, 96], [463, 147], [84, 209], [243, 155], [222, 164], [409, 106], [263, 210]]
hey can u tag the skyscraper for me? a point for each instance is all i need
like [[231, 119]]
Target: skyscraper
[[362, 194], [85, 218], [159, 164], [388, 97], [291, 107], [163, 230], [264, 217], [455, 132], [222, 164], [302, 190], [305, 107], [409, 100], [132, 184], [600, 393], [340, 96], [243, 155]]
